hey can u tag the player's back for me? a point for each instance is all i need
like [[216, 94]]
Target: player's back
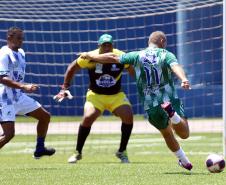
[[155, 81]]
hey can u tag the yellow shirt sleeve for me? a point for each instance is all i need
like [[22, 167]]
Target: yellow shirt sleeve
[[119, 52], [85, 63]]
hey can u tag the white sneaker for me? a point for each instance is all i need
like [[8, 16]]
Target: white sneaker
[[75, 157]]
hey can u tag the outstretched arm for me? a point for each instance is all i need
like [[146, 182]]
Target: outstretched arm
[[101, 58], [106, 58], [178, 70], [69, 74]]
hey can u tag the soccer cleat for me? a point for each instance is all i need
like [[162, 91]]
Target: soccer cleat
[[122, 156], [44, 152], [187, 166], [166, 106], [75, 157]]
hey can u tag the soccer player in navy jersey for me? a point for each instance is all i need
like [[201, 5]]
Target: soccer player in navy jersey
[[13, 100], [104, 93], [153, 68]]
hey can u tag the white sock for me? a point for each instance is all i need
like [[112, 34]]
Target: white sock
[[175, 119], [181, 156]]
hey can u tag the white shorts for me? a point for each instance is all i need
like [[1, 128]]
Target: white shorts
[[24, 105]]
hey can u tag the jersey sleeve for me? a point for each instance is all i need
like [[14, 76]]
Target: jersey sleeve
[[129, 58], [119, 53], [4, 64], [171, 59], [85, 63]]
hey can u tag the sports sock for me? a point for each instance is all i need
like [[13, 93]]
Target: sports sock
[[126, 130], [83, 132], [175, 119], [181, 156], [40, 143]]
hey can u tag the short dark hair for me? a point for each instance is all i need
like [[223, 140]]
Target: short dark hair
[[13, 30]]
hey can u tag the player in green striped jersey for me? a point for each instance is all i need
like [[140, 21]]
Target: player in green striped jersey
[[154, 67]]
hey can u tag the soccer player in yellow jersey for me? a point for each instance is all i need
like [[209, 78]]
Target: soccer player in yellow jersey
[[104, 93]]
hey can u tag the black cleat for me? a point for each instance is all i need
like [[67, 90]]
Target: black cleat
[[44, 152]]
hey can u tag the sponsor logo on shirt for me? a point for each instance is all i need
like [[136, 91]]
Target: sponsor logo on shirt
[[106, 81]]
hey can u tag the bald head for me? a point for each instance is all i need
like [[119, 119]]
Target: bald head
[[157, 38]]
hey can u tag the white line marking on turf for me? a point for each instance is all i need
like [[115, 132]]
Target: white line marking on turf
[[99, 141]]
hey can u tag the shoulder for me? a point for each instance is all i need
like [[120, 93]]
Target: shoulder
[[96, 51], [129, 58], [4, 52], [132, 54], [21, 51], [169, 54], [85, 63], [169, 57], [117, 51]]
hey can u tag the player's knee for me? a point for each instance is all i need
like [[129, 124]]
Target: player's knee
[[184, 135], [45, 118], [88, 120], [48, 116], [127, 117]]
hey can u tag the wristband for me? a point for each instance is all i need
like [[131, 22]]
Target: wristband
[[65, 86]]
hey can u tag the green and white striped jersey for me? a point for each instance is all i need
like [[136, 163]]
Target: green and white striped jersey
[[153, 75]]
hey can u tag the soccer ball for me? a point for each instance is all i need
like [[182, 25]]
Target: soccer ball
[[215, 163]]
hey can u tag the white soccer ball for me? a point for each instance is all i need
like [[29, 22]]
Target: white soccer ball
[[215, 163]]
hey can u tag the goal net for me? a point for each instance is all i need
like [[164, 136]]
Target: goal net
[[56, 31]]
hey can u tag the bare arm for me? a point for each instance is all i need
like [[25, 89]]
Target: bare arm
[[131, 71], [101, 58], [5, 80], [178, 70], [69, 74], [106, 58]]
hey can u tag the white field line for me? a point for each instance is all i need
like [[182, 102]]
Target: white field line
[[30, 151], [112, 127], [68, 146], [102, 141]]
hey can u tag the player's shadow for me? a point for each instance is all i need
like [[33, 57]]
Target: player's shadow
[[184, 173], [117, 162]]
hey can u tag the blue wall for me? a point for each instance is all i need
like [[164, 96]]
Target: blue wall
[[51, 46]]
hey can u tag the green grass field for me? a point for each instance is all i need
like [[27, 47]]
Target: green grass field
[[151, 162]]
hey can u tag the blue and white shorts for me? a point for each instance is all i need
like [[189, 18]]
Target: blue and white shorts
[[23, 106]]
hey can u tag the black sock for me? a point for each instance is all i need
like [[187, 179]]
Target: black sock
[[83, 132], [126, 130], [40, 143]]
